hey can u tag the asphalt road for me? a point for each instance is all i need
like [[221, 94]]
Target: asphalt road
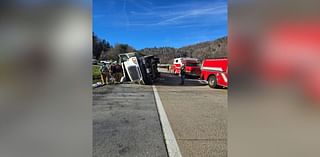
[[126, 122], [197, 114]]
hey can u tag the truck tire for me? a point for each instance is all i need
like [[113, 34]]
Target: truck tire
[[212, 81]]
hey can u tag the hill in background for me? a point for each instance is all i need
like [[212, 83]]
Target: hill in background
[[209, 49], [103, 50]]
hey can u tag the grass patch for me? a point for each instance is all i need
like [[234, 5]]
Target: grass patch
[[95, 72]]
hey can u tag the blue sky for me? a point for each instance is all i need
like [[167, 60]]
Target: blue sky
[[157, 23]]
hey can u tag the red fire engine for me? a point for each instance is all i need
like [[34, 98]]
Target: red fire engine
[[192, 66], [215, 71]]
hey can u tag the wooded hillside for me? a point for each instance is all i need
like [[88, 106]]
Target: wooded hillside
[[102, 50], [209, 49]]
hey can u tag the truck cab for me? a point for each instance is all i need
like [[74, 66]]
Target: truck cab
[[192, 66], [138, 68]]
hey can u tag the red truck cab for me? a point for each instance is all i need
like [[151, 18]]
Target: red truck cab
[[215, 71], [192, 66]]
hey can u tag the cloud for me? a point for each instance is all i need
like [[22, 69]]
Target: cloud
[[177, 15], [144, 13], [195, 13]]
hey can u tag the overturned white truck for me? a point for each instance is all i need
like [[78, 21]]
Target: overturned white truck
[[138, 68]]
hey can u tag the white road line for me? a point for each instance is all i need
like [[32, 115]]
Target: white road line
[[172, 146]]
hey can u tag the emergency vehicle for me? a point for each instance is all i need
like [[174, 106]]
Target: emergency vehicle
[[215, 71], [192, 67]]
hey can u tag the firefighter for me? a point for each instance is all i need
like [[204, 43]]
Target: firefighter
[[112, 72], [118, 72], [105, 74], [182, 74]]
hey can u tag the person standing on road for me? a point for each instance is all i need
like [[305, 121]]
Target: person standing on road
[[112, 72], [104, 73], [118, 72], [182, 74]]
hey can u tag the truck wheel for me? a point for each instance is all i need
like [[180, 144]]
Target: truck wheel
[[212, 81]]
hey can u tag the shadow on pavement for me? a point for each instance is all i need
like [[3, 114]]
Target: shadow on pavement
[[168, 79]]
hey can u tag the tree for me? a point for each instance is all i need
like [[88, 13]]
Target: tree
[[95, 46], [119, 49], [99, 46]]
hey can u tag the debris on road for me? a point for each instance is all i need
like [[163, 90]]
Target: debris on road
[[98, 84]]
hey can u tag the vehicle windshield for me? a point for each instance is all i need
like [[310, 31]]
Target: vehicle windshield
[[131, 55], [125, 57]]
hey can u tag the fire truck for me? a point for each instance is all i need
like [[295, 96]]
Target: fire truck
[[215, 71], [192, 67]]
